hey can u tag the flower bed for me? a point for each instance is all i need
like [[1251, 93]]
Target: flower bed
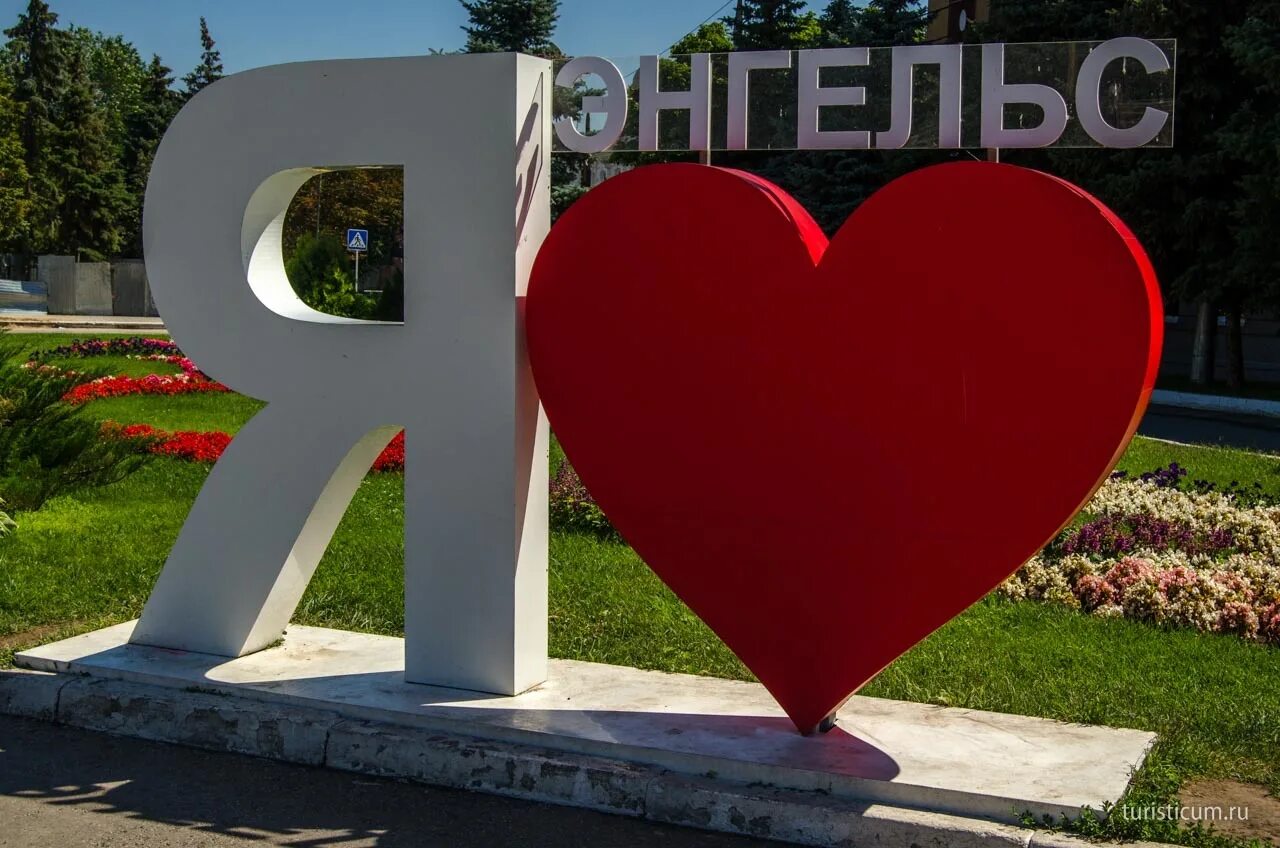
[[132, 346], [151, 384], [182, 444], [208, 445], [1152, 551], [191, 380], [1148, 550], [190, 445], [1156, 547]]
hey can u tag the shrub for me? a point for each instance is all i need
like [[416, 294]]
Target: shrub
[[47, 446], [318, 273], [391, 301], [571, 506]]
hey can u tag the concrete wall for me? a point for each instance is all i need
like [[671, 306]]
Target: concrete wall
[[93, 288], [58, 273], [130, 292]]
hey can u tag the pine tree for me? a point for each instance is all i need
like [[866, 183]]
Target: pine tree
[[831, 184], [839, 22], [38, 53], [145, 126], [1252, 133], [210, 68], [1181, 203], [93, 200], [13, 172], [116, 70], [48, 447], [887, 23], [773, 25], [512, 26]]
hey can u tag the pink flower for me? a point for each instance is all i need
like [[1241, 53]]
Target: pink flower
[[1094, 591], [1129, 571], [1239, 617]]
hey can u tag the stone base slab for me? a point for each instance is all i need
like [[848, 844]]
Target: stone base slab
[[681, 749]]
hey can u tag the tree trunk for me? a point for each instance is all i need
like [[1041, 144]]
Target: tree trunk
[[1204, 349], [1235, 346]]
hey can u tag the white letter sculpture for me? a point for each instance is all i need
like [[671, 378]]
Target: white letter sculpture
[[470, 131]]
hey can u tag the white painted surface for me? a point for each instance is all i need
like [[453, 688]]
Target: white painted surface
[[965, 762], [472, 132]]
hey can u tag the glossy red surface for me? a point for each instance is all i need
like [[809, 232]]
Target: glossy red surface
[[828, 451]]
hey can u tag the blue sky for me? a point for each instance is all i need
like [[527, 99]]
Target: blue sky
[[251, 33]]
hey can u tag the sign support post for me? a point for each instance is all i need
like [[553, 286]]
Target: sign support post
[[357, 243]]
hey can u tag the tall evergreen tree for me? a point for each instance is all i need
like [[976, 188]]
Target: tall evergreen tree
[[210, 68], [512, 26], [38, 53], [1252, 133], [116, 70], [1182, 203], [773, 25], [839, 22], [146, 125], [13, 171], [93, 202], [887, 23], [831, 184]]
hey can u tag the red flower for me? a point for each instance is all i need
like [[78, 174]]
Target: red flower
[[392, 457], [152, 384], [207, 446]]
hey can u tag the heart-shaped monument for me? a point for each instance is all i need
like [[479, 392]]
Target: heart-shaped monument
[[829, 450]]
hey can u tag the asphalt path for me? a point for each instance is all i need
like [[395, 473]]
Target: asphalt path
[[66, 788], [1248, 432]]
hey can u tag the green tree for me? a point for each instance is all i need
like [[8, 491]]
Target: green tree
[[372, 198], [710, 37], [773, 25], [92, 200], [1252, 133], [116, 71], [885, 23], [13, 171], [209, 70], [46, 446], [36, 55], [145, 126], [512, 26], [1184, 204], [318, 273], [831, 184], [839, 22]]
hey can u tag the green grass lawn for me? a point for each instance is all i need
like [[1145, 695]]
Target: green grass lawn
[[90, 558], [1221, 466], [208, 411], [115, 365]]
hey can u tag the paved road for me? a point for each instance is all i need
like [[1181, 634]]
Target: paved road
[[67, 788], [1249, 432]]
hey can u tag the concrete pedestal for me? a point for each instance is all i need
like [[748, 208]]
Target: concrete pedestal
[[702, 751]]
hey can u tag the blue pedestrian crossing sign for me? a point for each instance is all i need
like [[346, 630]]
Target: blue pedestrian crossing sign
[[357, 240]]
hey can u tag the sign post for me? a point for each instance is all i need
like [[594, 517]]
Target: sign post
[[357, 243]]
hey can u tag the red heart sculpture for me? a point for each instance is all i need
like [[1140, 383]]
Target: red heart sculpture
[[829, 451]]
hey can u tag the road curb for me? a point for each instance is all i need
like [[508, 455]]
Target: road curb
[[218, 722], [1216, 403], [76, 323]]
